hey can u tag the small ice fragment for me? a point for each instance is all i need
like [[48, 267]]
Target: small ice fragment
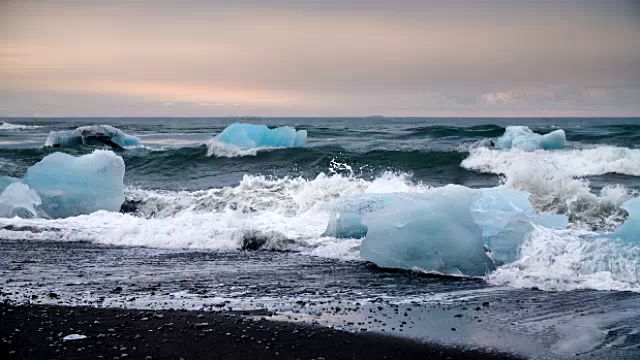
[[73, 337]]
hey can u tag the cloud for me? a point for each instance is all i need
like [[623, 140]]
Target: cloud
[[501, 97], [285, 59]]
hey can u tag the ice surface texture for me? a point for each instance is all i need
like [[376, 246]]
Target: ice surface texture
[[18, 199], [92, 135], [630, 229], [347, 214], [521, 137], [62, 185], [444, 230], [255, 136]]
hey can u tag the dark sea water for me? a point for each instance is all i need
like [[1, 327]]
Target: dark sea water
[[189, 212]]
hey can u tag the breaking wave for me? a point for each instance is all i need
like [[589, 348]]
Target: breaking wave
[[562, 260], [578, 162], [291, 213], [9, 126]]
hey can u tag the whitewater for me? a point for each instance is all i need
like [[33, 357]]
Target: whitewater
[[291, 212]]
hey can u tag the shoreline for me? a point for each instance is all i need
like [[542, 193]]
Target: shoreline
[[37, 331]]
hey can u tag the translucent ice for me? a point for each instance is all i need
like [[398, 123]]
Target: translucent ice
[[505, 217], [6, 181], [521, 137], [630, 229], [92, 135], [70, 186], [433, 232], [446, 230], [347, 214], [255, 136], [19, 200]]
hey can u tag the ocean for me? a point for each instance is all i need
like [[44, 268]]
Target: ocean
[[201, 227]]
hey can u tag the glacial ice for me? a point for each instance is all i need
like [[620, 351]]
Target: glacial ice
[[433, 232], [255, 136], [70, 186], [92, 135], [446, 230], [521, 137], [18, 199], [630, 229], [506, 217], [347, 214]]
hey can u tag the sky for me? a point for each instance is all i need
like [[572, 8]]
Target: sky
[[319, 58]]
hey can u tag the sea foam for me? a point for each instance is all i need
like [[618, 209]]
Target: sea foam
[[292, 213], [9, 126], [577, 162]]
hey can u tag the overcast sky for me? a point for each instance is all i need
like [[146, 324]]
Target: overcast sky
[[319, 58]]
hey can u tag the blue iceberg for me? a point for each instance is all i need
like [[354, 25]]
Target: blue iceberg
[[450, 230], [630, 229], [432, 232], [19, 200], [255, 136], [61, 185], [521, 137], [92, 135]]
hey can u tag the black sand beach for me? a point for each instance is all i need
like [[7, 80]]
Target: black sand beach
[[37, 332], [318, 307]]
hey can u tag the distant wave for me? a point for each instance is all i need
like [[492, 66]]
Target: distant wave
[[437, 131], [9, 126], [220, 149]]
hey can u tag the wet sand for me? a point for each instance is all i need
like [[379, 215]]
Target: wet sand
[[37, 332]]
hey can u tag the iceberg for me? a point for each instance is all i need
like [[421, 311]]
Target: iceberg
[[433, 232], [630, 229], [19, 200], [254, 136], [521, 137], [70, 186], [451, 230], [92, 135]]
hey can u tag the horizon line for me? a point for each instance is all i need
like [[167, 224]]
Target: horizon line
[[321, 117]]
